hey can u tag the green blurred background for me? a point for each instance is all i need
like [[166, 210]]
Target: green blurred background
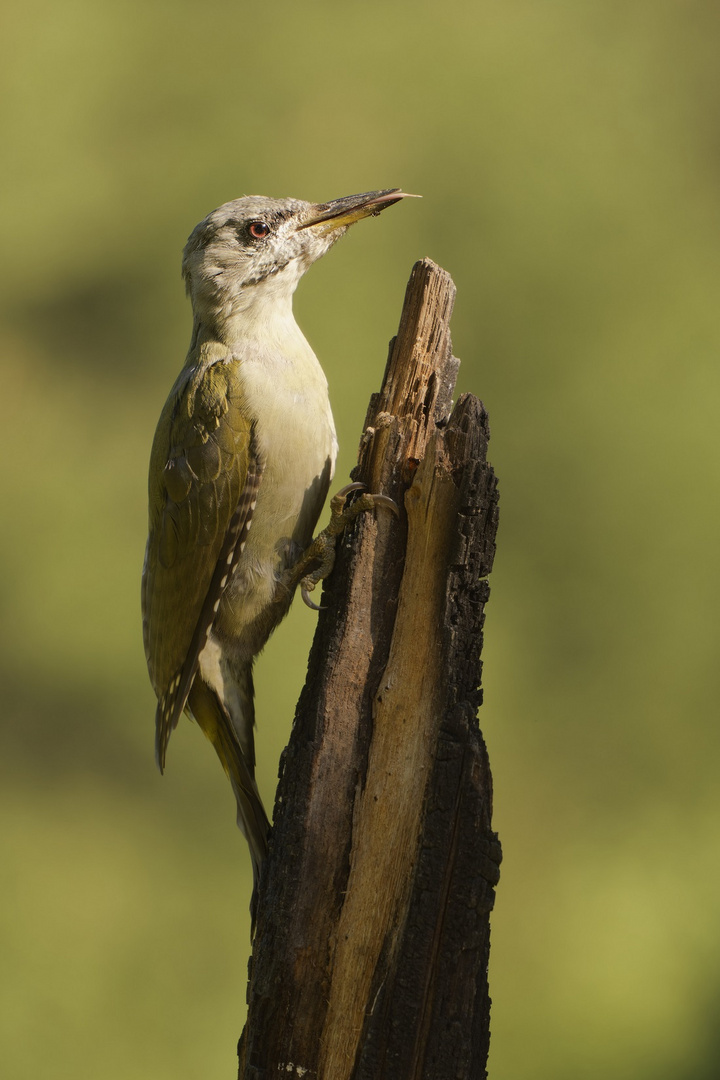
[[569, 158]]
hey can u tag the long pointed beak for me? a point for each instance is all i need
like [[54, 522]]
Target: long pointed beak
[[326, 217]]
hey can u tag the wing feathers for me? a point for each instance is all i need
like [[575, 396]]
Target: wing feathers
[[173, 701], [204, 472]]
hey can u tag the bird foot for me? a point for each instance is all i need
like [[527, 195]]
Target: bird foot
[[322, 548]]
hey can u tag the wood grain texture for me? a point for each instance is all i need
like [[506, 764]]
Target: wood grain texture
[[371, 950]]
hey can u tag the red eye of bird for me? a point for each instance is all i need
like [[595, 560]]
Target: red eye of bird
[[258, 229]]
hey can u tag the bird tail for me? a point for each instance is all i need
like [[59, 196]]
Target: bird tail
[[238, 760]]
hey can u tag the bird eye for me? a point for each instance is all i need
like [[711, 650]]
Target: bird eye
[[258, 229]]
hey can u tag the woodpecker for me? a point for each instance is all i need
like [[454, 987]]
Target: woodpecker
[[240, 466]]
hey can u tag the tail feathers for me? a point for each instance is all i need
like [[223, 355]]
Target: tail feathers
[[251, 817], [212, 717]]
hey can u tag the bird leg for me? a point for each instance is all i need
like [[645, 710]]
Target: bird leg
[[322, 548]]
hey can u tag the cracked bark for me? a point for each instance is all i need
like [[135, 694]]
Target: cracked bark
[[371, 951]]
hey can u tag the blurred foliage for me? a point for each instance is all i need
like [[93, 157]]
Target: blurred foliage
[[568, 158]]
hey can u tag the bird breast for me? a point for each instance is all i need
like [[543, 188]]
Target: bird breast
[[287, 398]]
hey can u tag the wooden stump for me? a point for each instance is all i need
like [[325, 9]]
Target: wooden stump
[[371, 952]]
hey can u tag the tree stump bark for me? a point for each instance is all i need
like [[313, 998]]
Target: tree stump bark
[[371, 950]]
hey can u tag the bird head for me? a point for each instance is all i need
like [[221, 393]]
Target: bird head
[[252, 252]]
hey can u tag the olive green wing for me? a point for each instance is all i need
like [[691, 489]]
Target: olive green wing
[[204, 477]]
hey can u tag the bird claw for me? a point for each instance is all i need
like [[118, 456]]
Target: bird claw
[[337, 503], [322, 548], [346, 515], [386, 501], [305, 593]]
